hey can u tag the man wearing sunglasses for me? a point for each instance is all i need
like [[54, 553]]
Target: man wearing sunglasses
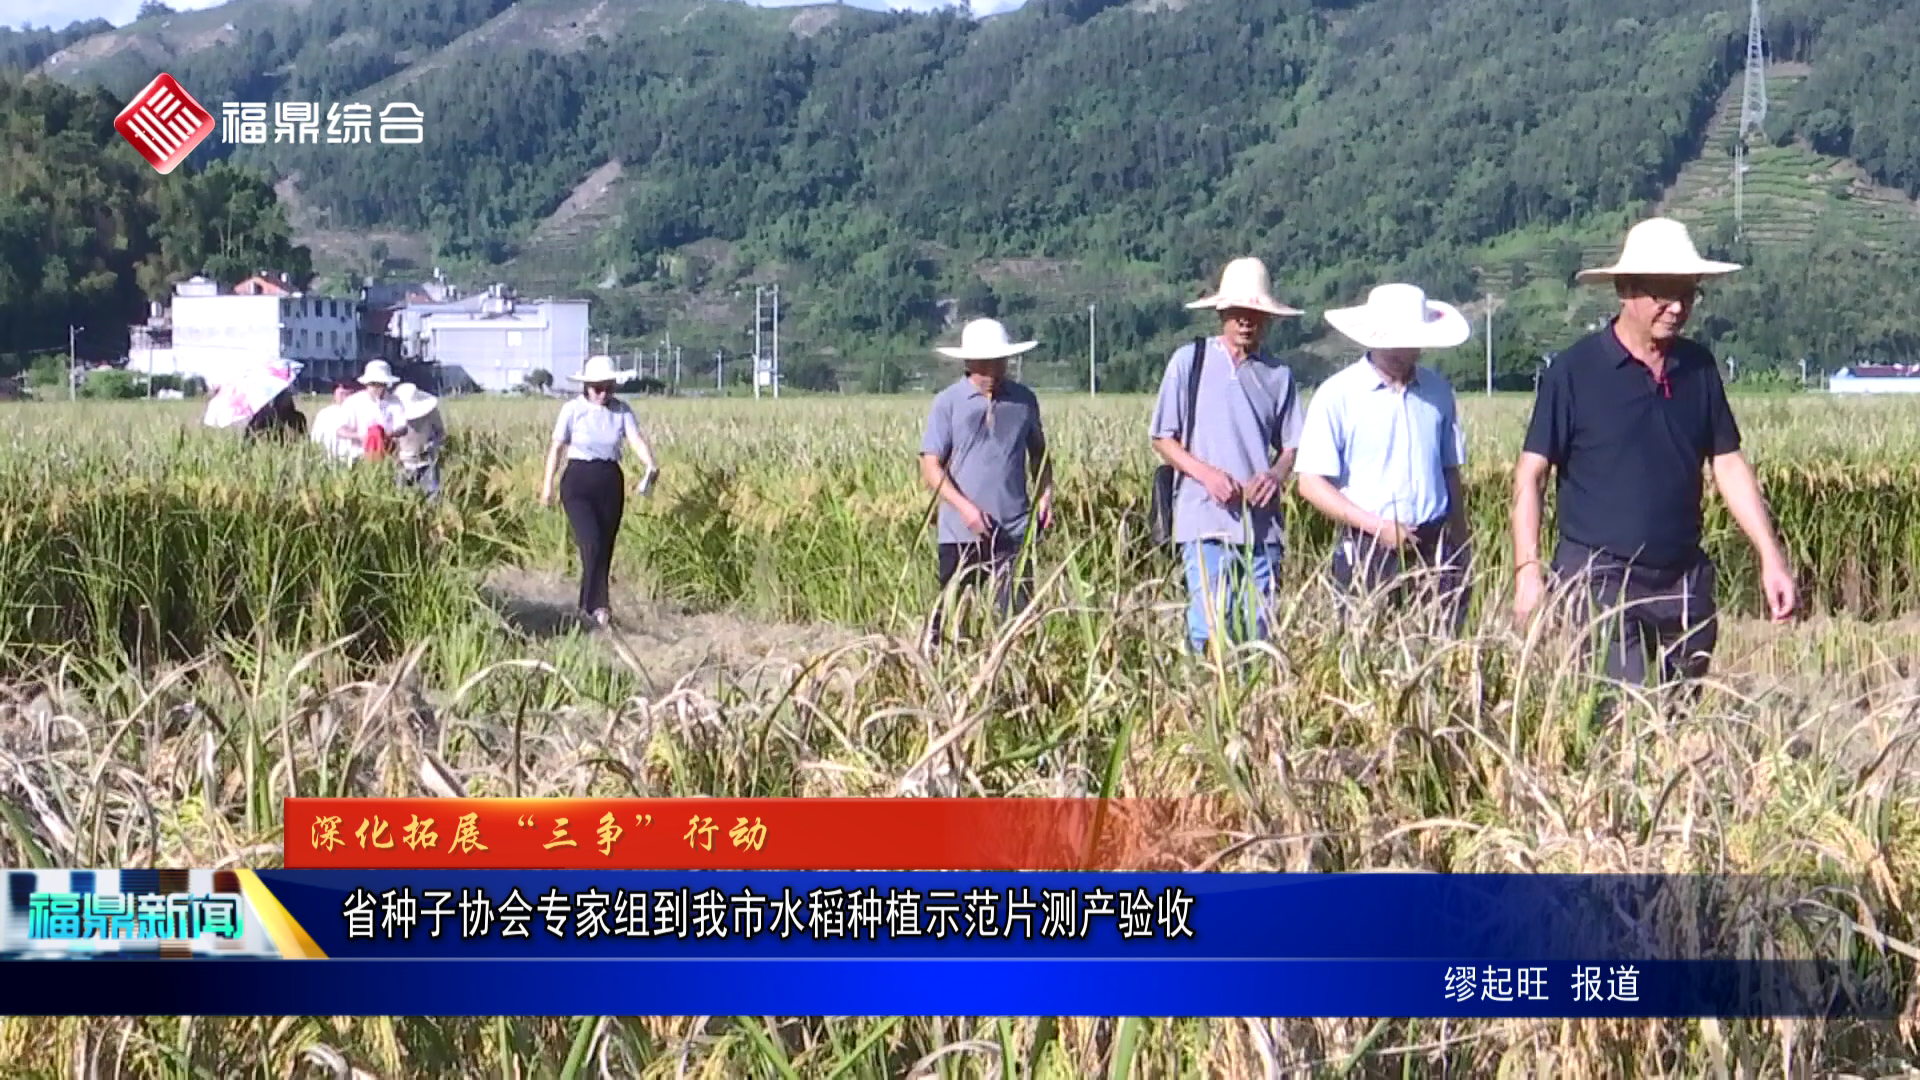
[[1627, 419]]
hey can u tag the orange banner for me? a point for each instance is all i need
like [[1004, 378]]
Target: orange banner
[[734, 834]]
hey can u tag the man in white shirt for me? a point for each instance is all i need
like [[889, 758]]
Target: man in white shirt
[[1382, 449], [373, 407], [328, 422]]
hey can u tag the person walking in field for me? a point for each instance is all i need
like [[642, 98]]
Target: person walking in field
[[281, 421], [418, 449], [1626, 419], [372, 419], [1230, 436], [983, 444], [589, 435], [1382, 450]]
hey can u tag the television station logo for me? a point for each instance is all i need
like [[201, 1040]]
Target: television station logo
[[165, 124]]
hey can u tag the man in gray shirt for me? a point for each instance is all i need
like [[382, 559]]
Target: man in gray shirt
[[983, 440], [1233, 460]]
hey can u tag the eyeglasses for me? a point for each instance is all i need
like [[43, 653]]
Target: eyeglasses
[[1666, 294]]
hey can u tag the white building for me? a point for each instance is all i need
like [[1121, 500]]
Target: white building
[[1876, 379], [214, 333], [493, 342]]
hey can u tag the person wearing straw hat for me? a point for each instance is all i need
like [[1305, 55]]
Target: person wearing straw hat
[[589, 435], [983, 443], [372, 418], [1626, 419], [1382, 449], [418, 449], [1231, 453]]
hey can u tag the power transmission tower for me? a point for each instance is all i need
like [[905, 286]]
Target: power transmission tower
[[1753, 111]]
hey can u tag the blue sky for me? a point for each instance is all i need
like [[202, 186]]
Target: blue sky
[[120, 12]]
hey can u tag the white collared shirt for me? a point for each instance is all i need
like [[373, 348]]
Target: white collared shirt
[[1385, 447], [362, 413], [325, 431]]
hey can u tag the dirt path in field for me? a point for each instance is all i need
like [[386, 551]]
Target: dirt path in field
[[668, 642]]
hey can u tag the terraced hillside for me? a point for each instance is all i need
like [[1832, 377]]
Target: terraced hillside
[[1792, 191]]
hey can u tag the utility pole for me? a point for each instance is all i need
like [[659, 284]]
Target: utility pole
[[1489, 344], [73, 362], [719, 373], [1803, 371], [676, 369], [758, 293], [661, 373], [776, 341], [606, 348], [1093, 389]]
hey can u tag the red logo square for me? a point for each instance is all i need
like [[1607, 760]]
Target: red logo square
[[164, 123]]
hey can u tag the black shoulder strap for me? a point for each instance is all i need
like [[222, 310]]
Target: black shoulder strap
[[1193, 388]]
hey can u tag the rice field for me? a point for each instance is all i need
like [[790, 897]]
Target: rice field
[[194, 630]]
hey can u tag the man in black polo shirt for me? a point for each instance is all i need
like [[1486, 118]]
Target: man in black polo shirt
[[1627, 418]]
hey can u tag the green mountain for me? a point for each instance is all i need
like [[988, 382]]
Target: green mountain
[[893, 172]]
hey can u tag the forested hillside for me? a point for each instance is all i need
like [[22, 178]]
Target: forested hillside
[[893, 171], [88, 232]]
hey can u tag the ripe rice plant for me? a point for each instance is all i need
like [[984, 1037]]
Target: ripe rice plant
[[172, 606]]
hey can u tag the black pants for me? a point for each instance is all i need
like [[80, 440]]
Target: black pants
[[1669, 618], [594, 494], [995, 562], [1361, 563]]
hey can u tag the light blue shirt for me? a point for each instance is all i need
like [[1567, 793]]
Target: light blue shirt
[[1386, 448], [594, 432], [1246, 415]]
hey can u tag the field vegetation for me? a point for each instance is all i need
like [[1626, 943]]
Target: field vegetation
[[195, 630]]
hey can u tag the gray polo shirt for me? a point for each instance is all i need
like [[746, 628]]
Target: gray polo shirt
[[987, 446], [1247, 413], [1386, 448], [594, 432]]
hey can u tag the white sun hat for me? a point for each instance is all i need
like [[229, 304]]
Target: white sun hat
[[1658, 247], [413, 402], [377, 372], [1400, 316], [984, 339], [600, 369], [1245, 284]]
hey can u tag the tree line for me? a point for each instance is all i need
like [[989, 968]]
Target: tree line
[[89, 232]]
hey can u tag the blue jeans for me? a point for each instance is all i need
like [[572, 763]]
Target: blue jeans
[[1229, 585]]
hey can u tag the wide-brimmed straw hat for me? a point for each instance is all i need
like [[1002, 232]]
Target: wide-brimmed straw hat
[[1245, 284], [413, 402], [377, 372], [600, 369], [1658, 247], [1400, 316], [984, 339]]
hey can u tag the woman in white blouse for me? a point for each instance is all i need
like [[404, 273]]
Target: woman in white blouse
[[589, 436]]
